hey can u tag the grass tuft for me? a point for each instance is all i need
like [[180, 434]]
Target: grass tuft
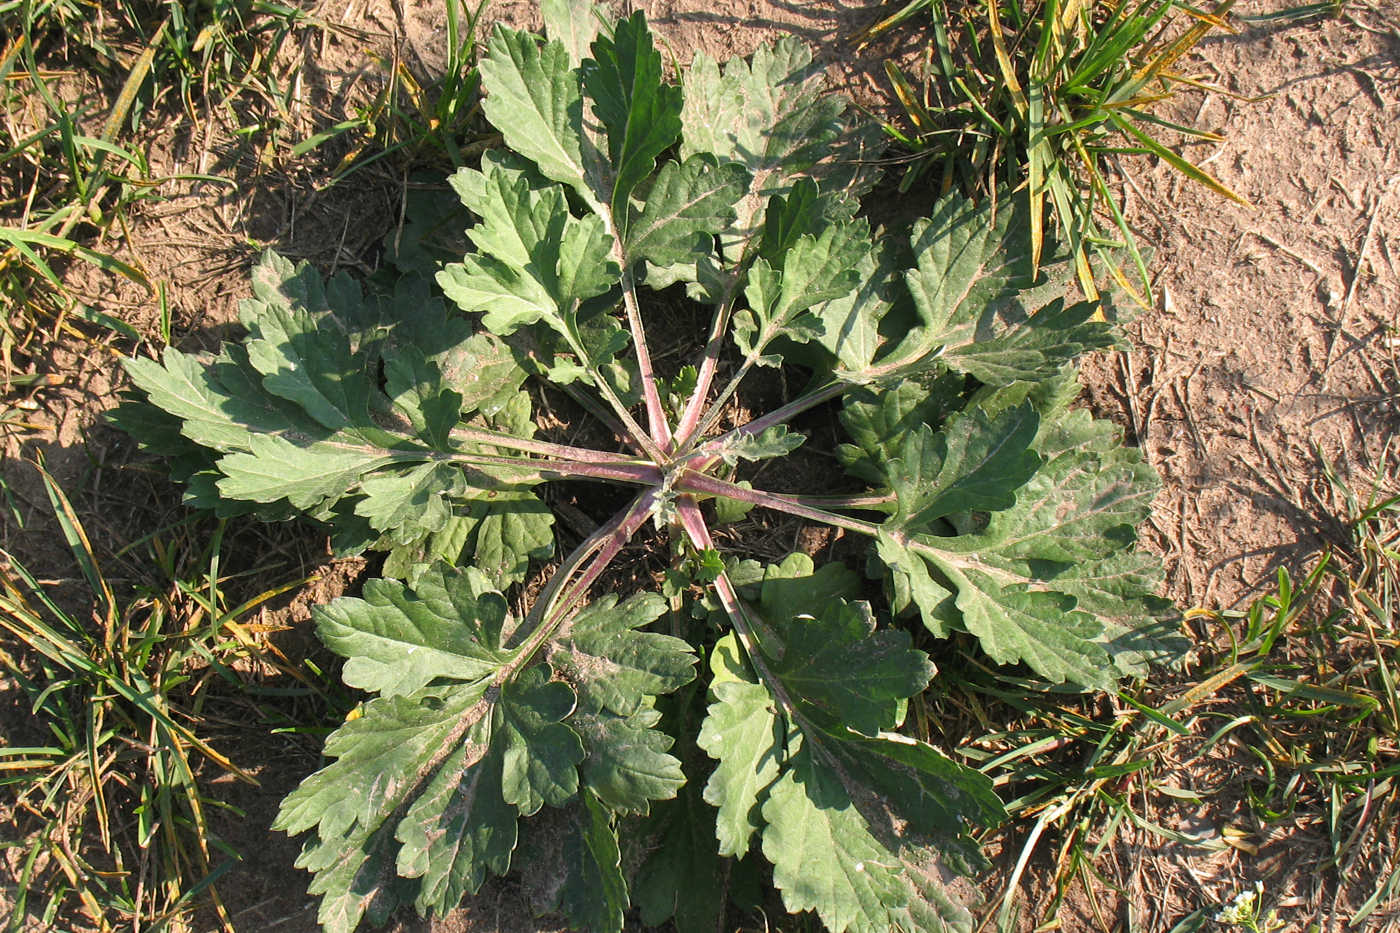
[[1048, 94], [111, 780]]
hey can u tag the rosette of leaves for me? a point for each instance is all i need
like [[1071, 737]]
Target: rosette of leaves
[[991, 507]]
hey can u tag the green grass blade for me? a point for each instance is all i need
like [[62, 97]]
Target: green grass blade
[[1187, 168]]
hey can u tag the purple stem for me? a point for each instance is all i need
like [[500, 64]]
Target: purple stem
[[714, 344], [744, 625], [511, 442], [690, 418], [873, 503], [603, 545], [618, 532], [777, 416], [584, 400], [601, 412], [713, 413], [617, 470], [709, 486], [656, 414]]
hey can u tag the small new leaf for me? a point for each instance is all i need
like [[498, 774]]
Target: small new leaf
[[776, 441]]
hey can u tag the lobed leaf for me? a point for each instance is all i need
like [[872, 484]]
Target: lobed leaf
[[824, 857], [1029, 583], [291, 416], [640, 113], [689, 203], [594, 893], [614, 666], [770, 114], [466, 737], [813, 270], [842, 814], [683, 879], [534, 261], [396, 641], [534, 97], [742, 731]]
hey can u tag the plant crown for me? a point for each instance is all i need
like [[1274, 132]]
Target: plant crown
[[764, 720]]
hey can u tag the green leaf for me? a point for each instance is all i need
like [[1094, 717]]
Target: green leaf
[[823, 648], [1041, 579], [498, 534], [741, 731], [505, 531], [975, 462], [541, 754], [813, 270], [796, 583], [303, 474], [409, 505], [479, 368], [576, 866], [776, 441], [594, 893], [824, 856], [380, 762], [640, 114], [572, 23], [398, 640], [628, 765], [288, 343], [416, 386], [788, 219], [822, 668], [771, 114], [683, 878], [533, 97], [269, 407], [879, 421], [183, 387], [614, 666], [728, 511], [1013, 621], [979, 308], [1027, 348], [688, 204], [483, 370], [460, 827], [595, 345], [919, 788], [838, 663], [617, 671], [851, 322], [535, 262], [461, 742], [912, 582]]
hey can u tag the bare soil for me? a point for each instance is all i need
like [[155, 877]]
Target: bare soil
[[1271, 350]]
